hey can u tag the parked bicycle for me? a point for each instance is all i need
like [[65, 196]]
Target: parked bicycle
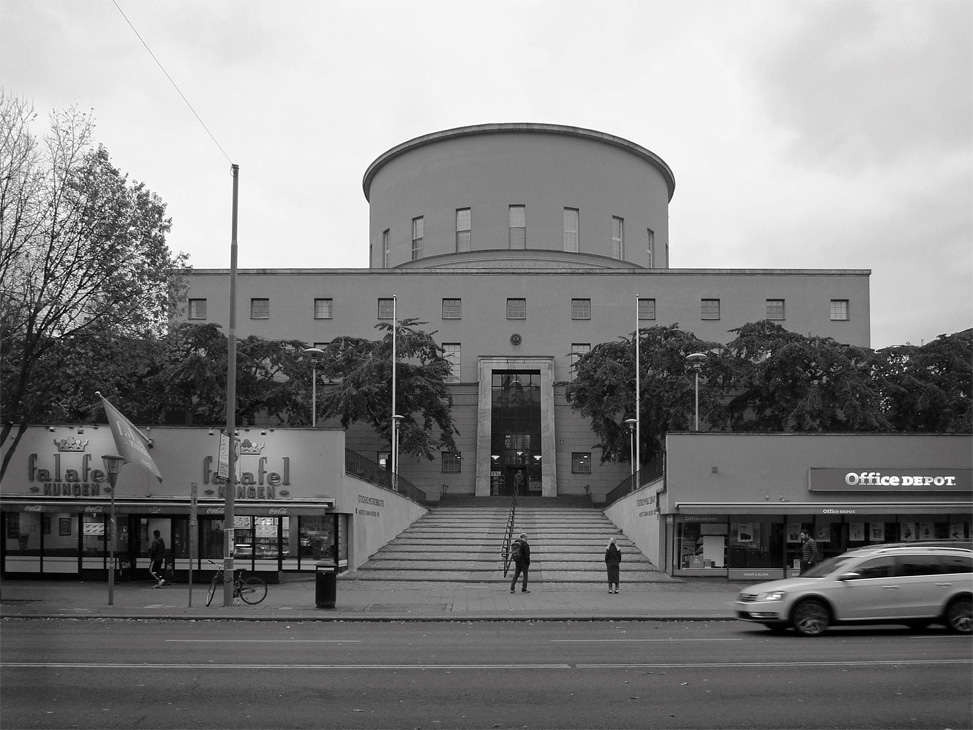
[[249, 589]]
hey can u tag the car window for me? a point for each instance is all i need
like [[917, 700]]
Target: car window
[[827, 567], [919, 565], [957, 563], [881, 567]]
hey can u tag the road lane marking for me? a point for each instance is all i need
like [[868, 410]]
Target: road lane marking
[[263, 641], [625, 641]]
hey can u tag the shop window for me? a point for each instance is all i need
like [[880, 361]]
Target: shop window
[[93, 531], [755, 544], [317, 538], [701, 545]]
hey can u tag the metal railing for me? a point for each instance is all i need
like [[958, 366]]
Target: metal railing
[[367, 470], [509, 536], [649, 473]]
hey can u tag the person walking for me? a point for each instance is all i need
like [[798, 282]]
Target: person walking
[[809, 552], [520, 554], [157, 553], [613, 559]]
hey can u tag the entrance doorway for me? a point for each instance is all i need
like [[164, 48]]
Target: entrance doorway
[[515, 434]]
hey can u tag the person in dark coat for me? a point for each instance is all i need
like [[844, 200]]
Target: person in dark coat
[[157, 553], [809, 552], [613, 559], [521, 557]]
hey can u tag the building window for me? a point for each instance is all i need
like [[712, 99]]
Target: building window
[[259, 309], [518, 226], [650, 248], [571, 241], [839, 310], [386, 308], [323, 308], [382, 459], [417, 228], [580, 309], [516, 309], [464, 227], [581, 462], [618, 237], [197, 309], [452, 308], [451, 463], [578, 350], [452, 354], [385, 248], [646, 308], [775, 309], [710, 308]]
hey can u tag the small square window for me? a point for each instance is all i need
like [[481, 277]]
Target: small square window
[[581, 462], [452, 308], [710, 308], [839, 310], [259, 309], [452, 464], [323, 308], [516, 309], [197, 309], [386, 308], [646, 308], [580, 309], [775, 309]]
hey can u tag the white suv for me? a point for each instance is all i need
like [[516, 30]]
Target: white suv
[[911, 583]]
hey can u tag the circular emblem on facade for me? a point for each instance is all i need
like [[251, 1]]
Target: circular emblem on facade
[[515, 339]]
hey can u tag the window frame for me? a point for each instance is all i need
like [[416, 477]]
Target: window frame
[[450, 459], [464, 236], [418, 233], [709, 309], [389, 303], [567, 244], [258, 303], [330, 308], [522, 237], [580, 308], [618, 238], [452, 308], [840, 310], [453, 354], [581, 462], [386, 247], [514, 311], [193, 309], [648, 302], [775, 310]]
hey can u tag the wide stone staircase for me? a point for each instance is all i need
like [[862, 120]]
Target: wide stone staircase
[[461, 541]]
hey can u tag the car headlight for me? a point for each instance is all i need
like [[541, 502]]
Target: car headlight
[[771, 596]]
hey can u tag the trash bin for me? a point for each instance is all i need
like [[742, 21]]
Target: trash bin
[[325, 585]]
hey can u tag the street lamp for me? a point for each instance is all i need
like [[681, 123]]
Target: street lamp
[[113, 464], [630, 422], [396, 420], [315, 353], [695, 361]]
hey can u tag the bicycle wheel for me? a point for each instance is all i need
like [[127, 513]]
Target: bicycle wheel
[[217, 580], [252, 590]]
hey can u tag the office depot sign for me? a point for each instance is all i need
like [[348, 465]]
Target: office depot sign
[[890, 480]]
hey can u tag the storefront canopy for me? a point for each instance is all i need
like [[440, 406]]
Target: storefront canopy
[[205, 508], [805, 508]]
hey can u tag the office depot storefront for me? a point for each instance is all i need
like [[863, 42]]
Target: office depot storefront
[[733, 505], [293, 503]]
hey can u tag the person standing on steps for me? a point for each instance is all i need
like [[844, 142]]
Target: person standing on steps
[[520, 554], [613, 559], [157, 553]]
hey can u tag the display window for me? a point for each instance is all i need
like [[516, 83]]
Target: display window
[[755, 542], [701, 545]]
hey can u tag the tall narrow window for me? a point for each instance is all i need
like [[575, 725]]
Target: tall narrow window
[[650, 248], [464, 227], [518, 226], [618, 237], [452, 353], [775, 309], [259, 309], [197, 309], [323, 308], [385, 308], [452, 308], [417, 229], [578, 350], [516, 309], [580, 309], [571, 242], [385, 248], [646, 308], [839, 310], [710, 308]]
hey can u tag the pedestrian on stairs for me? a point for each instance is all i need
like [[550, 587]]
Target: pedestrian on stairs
[[613, 559], [520, 554]]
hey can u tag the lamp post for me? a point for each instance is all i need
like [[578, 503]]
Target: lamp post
[[396, 420], [113, 465], [695, 361], [630, 422], [315, 353]]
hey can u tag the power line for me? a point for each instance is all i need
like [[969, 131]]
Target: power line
[[172, 82]]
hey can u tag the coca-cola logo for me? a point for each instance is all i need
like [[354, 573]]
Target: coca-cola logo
[[32, 508]]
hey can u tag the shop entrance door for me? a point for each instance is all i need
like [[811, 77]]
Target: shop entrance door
[[515, 433]]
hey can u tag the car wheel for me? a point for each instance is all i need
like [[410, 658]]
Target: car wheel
[[811, 617], [959, 615]]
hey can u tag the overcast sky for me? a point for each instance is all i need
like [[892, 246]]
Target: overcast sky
[[826, 134]]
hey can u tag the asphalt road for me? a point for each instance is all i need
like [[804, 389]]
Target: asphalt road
[[179, 674]]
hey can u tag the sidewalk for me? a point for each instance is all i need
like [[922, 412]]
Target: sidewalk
[[357, 600]]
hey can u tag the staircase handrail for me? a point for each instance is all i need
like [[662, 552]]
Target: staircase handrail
[[509, 536]]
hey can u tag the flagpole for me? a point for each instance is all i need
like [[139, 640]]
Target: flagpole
[[228, 517]]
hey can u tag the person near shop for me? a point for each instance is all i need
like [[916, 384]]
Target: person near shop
[[520, 554], [157, 553], [809, 551], [613, 560]]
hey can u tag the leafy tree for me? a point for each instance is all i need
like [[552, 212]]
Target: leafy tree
[[927, 388], [360, 372], [603, 390], [781, 381], [82, 252]]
